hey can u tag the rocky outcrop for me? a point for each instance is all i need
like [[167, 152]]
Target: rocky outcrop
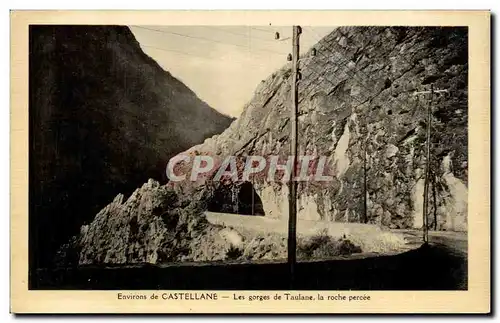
[[104, 117], [155, 226], [357, 107], [151, 226]]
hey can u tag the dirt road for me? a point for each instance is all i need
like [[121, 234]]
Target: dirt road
[[456, 242], [371, 238], [446, 255]]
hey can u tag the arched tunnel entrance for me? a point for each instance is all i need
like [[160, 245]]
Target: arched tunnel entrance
[[237, 199]]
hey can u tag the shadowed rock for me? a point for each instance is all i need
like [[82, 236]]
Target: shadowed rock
[[104, 117]]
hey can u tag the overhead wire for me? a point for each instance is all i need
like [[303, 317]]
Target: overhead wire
[[198, 56], [354, 77], [264, 30], [344, 63], [241, 34], [359, 70], [210, 40], [341, 64]]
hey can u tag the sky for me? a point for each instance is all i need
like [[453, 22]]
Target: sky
[[223, 64]]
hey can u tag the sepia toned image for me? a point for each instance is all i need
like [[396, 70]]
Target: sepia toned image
[[188, 162]]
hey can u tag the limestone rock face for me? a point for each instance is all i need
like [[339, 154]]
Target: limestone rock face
[[357, 108]]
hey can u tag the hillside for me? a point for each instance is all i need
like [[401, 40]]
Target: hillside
[[356, 107], [104, 117]]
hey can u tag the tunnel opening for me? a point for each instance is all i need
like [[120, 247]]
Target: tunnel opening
[[237, 199]]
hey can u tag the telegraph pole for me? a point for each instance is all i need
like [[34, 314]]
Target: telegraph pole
[[427, 167], [253, 199], [292, 209], [425, 226]]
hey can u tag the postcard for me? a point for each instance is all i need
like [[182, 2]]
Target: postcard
[[250, 162]]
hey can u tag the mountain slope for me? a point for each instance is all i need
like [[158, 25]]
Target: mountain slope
[[357, 107], [104, 117]]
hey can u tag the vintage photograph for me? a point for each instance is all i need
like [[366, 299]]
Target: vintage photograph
[[248, 157]]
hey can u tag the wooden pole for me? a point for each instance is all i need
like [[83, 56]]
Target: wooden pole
[[427, 167], [253, 199], [365, 176], [292, 209], [425, 227]]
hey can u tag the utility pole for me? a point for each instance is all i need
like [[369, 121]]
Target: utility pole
[[425, 226], [365, 186], [427, 167], [365, 175], [292, 209], [253, 198]]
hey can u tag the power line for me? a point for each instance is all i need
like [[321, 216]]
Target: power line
[[313, 79], [264, 30], [342, 64], [339, 64], [273, 32], [331, 83], [208, 39], [359, 71], [386, 55], [402, 57], [241, 34], [225, 30], [174, 51], [383, 56], [202, 57]]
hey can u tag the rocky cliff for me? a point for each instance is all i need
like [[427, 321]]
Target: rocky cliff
[[104, 117], [358, 108]]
